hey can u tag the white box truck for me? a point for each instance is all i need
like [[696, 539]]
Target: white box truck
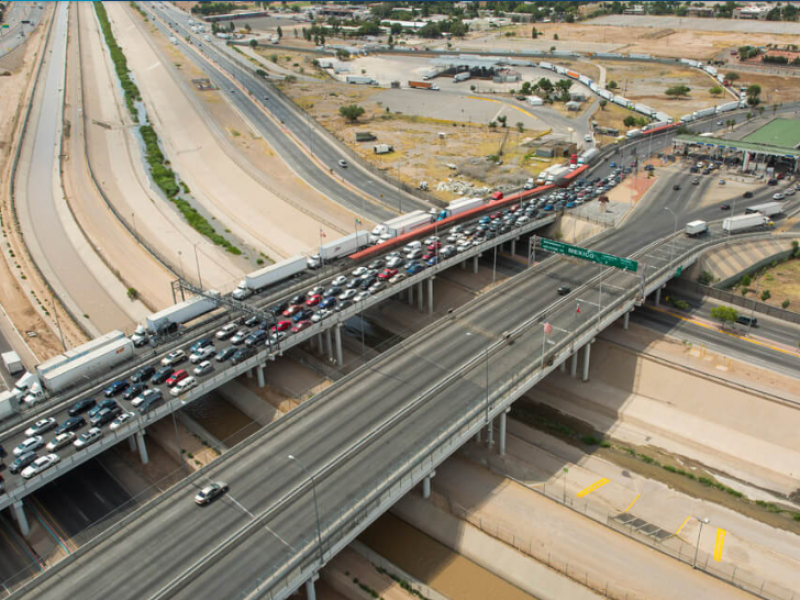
[[460, 205], [258, 280], [745, 222], [407, 223], [696, 228], [9, 404], [181, 313], [767, 209], [90, 367], [78, 352], [462, 77], [338, 248], [13, 362]]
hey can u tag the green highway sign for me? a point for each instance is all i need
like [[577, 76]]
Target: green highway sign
[[608, 260]]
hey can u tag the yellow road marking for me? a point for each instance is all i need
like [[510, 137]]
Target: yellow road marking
[[718, 545], [733, 335], [630, 506], [685, 521], [595, 486], [522, 110]]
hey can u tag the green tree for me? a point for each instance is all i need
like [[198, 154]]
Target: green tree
[[612, 85], [520, 126], [732, 76], [765, 295], [502, 119], [280, 32], [753, 93], [458, 29], [253, 43], [715, 91], [526, 87], [678, 91], [396, 29], [555, 36], [351, 112], [534, 33], [629, 121], [342, 54], [724, 314], [603, 104], [492, 124]]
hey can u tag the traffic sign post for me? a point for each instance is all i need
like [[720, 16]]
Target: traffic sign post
[[609, 260]]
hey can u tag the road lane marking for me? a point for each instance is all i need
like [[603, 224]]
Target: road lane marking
[[713, 328], [239, 504], [57, 530], [522, 110], [595, 486], [718, 545], [267, 527], [630, 506], [685, 521]]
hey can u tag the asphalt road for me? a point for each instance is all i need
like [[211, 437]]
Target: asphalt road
[[389, 199], [755, 347], [18, 32], [51, 246], [170, 539], [19, 561]]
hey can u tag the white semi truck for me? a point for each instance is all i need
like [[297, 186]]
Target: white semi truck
[[767, 209], [180, 313], [338, 248], [400, 225], [258, 280], [696, 228], [745, 222]]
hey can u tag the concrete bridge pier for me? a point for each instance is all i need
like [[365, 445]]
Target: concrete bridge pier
[[318, 343], [501, 445], [132, 444], [338, 332], [658, 296], [329, 343], [430, 295], [20, 518], [411, 295], [625, 319], [260, 375], [475, 264], [311, 592], [490, 434], [145, 458], [586, 349], [249, 373], [478, 435], [563, 367], [426, 485], [463, 264], [513, 247], [420, 299], [573, 366]]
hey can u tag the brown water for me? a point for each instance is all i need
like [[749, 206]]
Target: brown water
[[435, 564]]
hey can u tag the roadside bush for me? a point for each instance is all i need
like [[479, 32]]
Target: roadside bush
[[120, 63], [785, 304], [705, 278]]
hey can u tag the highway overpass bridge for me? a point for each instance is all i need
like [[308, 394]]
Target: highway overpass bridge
[[367, 440]]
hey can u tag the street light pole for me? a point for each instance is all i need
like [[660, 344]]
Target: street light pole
[[197, 262], [697, 548], [316, 507], [674, 235]]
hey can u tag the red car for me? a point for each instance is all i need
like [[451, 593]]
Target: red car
[[428, 255], [434, 246], [176, 377], [514, 208], [495, 215], [293, 310], [387, 274], [313, 300], [281, 326], [301, 326]]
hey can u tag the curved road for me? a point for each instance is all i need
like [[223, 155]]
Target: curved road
[[18, 32], [41, 204]]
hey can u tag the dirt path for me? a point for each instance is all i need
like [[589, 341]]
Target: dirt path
[[23, 293]]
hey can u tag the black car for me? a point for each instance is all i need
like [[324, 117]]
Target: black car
[[81, 406], [255, 338], [200, 344], [298, 299], [161, 375], [143, 374], [376, 264], [116, 388], [354, 283], [368, 282], [278, 309], [303, 315], [750, 321], [725, 206], [772, 182], [2, 452], [564, 290], [343, 304], [150, 403], [135, 390], [676, 187], [225, 353], [334, 290], [22, 461], [240, 355], [105, 416], [748, 194], [255, 321], [70, 425]]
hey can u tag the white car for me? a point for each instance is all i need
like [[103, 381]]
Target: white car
[[228, 331], [41, 426], [778, 196], [32, 444], [360, 271], [240, 337], [347, 294], [139, 400], [203, 368], [61, 440], [321, 315], [395, 262], [39, 465], [121, 420], [398, 277], [340, 280], [202, 354], [88, 438], [173, 358], [790, 191], [361, 296], [430, 240], [184, 386]]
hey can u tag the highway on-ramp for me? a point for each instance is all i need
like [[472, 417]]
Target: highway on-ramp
[[17, 32], [168, 539]]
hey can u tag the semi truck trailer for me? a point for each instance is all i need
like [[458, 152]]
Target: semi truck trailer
[[745, 222], [258, 280]]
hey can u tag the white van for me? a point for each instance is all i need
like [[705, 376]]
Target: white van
[[411, 246], [184, 386], [529, 184]]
